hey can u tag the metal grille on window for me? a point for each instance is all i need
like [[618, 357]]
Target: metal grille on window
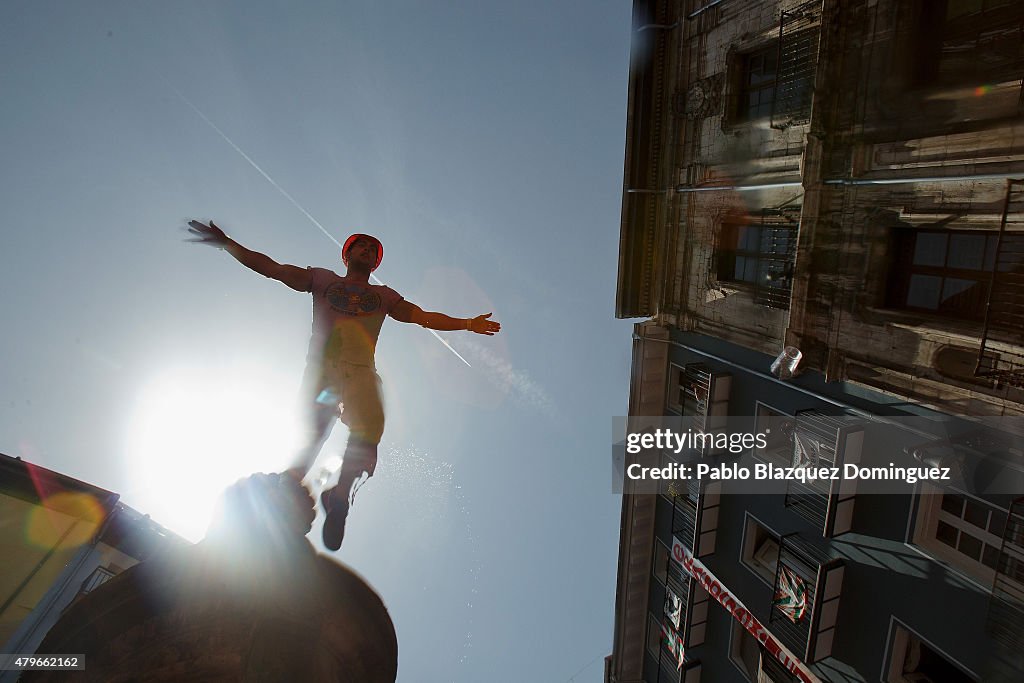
[[1001, 356], [777, 254], [797, 58]]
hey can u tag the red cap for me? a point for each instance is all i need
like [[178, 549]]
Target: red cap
[[351, 240]]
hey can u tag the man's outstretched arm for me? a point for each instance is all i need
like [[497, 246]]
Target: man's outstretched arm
[[293, 276], [406, 312]]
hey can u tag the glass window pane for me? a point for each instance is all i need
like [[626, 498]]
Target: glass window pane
[[953, 504], [930, 249], [953, 287], [946, 534], [924, 291], [970, 546], [967, 251], [749, 238], [765, 74], [997, 523], [741, 264], [990, 252], [750, 270], [976, 514]]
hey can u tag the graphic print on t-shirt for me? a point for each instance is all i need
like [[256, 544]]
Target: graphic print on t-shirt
[[352, 299]]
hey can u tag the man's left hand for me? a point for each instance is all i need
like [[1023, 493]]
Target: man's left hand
[[481, 325]]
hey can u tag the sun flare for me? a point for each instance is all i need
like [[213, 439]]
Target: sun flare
[[195, 432]]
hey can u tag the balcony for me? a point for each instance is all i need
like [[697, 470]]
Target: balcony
[[806, 603], [821, 440], [682, 626], [701, 394], [1001, 356], [695, 514]]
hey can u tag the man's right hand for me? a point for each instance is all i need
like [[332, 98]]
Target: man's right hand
[[208, 234]]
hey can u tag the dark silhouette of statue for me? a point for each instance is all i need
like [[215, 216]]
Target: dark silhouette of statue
[[251, 602], [340, 381]]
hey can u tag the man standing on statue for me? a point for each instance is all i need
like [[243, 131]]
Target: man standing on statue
[[341, 379]]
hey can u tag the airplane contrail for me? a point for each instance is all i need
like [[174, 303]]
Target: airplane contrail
[[290, 198]]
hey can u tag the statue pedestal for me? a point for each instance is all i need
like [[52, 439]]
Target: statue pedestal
[[252, 602]]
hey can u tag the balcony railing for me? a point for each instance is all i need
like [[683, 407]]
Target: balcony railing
[[821, 440], [1001, 356], [772, 671], [776, 258], [684, 513], [797, 58], [695, 506], [683, 624], [805, 606], [702, 395]]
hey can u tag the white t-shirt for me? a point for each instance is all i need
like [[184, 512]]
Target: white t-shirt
[[347, 316]]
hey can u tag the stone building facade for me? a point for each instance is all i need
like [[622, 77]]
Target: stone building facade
[[837, 177]]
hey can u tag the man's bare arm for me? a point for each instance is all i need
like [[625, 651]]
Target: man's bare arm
[[406, 312], [293, 276]]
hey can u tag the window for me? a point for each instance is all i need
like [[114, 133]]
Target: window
[[760, 550], [744, 651], [914, 660], [751, 659], [942, 271], [777, 80], [756, 92], [962, 531], [739, 259], [779, 447], [970, 42], [762, 256]]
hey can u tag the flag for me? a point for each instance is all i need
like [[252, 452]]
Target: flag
[[674, 643], [791, 595], [673, 608]]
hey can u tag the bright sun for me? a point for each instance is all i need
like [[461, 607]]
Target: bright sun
[[197, 431]]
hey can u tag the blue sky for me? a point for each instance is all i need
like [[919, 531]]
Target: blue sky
[[481, 142]]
